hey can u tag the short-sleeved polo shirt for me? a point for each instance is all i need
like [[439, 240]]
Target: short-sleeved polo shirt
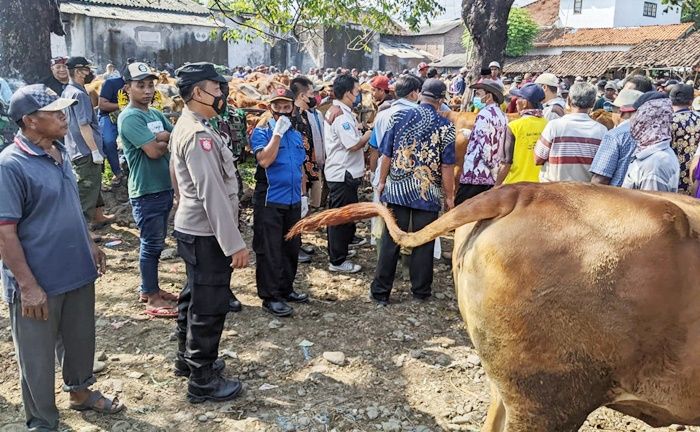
[[110, 91], [136, 129], [80, 114], [40, 196]]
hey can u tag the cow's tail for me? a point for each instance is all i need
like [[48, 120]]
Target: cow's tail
[[492, 204]]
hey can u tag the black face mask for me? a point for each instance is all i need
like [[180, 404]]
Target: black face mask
[[219, 103], [277, 115], [311, 102], [89, 77]]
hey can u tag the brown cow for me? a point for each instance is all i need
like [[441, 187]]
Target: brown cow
[[575, 296]]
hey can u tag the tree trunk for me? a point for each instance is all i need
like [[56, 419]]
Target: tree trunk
[[25, 38], [487, 22]]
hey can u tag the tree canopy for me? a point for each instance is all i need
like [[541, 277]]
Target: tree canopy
[[295, 19]]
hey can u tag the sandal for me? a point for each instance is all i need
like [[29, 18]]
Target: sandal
[[161, 312], [163, 294], [111, 406]]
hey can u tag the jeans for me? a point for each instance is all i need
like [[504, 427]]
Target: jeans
[[109, 143], [151, 216]]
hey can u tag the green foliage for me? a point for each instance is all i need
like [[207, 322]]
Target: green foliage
[[298, 19], [522, 31]]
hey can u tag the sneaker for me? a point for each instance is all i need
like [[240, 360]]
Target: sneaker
[[304, 257], [345, 267], [351, 254], [358, 241]]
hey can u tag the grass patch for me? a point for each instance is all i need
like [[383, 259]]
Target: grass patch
[[247, 171]]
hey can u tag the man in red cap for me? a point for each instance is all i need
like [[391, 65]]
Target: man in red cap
[[423, 70], [381, 92]]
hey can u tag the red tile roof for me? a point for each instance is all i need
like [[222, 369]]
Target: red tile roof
[[620, 35], [544, 12]]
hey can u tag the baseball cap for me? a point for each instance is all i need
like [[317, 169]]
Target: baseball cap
[[494, 64], [282, 94], [627, 98], [192, 73], [422, 65], [36, 97], [380, 82], [530, 92], [58, 60], [78, 62], [548, 79], [649, 96], [610, 86], [685, 91], [434, 88], [137, 72]]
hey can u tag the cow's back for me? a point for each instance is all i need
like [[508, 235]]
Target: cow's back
[[581, 297]]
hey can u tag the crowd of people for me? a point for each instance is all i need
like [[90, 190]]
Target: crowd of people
[[539, 130]]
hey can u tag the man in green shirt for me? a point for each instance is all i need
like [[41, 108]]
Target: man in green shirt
[[145, 133]]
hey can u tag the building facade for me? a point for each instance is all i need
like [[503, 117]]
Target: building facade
[[616, 13]]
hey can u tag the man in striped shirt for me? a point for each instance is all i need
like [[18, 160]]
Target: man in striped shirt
[[568, 145]]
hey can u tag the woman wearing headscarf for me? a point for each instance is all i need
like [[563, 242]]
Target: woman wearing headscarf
[[654, 165]]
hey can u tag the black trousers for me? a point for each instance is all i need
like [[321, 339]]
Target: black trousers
[[421, 262], [276, 259], [204, 300], [466, 191], [340, 236]]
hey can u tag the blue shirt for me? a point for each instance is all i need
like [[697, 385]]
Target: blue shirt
[[40, 196], [615, 154], [280, 183], [110, 91], [419, 142], [381, 122], [79, 114]]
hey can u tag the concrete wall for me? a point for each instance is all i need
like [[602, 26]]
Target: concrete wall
[[630, 13], [243, 53], [113, 41]]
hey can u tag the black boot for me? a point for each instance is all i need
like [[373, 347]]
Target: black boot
[[207, 385], [182, 369]]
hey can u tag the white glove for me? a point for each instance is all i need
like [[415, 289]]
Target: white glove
[[465, 132], [283, 124], [304, 206], [97, 157]]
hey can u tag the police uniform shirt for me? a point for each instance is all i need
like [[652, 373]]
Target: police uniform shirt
[[342, 132], [206, 179]]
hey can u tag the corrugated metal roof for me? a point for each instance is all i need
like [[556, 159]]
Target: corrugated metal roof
[[435, 28], [120, 13], [403, 51], [620, 35], [180, 6], [451, 61], [678, 53]]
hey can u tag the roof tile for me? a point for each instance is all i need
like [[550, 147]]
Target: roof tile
[[620, 35]]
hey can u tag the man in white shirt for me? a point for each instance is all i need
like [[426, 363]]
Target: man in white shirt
[[344, 168], [553, 105]]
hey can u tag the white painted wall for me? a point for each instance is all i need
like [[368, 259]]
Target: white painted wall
[[594, 14], [630, 13], [251, 54], [615, 13]]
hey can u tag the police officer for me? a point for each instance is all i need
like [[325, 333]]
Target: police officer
[[206, 229], [279, 151]]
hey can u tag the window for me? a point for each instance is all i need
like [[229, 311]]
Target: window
[[578, 6], [650, 9]]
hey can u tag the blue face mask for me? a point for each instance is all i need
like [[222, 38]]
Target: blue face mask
[[478, 103], [358, 100]]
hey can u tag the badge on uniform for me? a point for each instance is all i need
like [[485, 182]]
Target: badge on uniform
[[205, 143], [347, 126]]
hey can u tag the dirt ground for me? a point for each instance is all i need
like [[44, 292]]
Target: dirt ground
[[408, 367]]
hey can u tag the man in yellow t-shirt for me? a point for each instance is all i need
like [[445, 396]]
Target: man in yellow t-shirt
[[522, 134]]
